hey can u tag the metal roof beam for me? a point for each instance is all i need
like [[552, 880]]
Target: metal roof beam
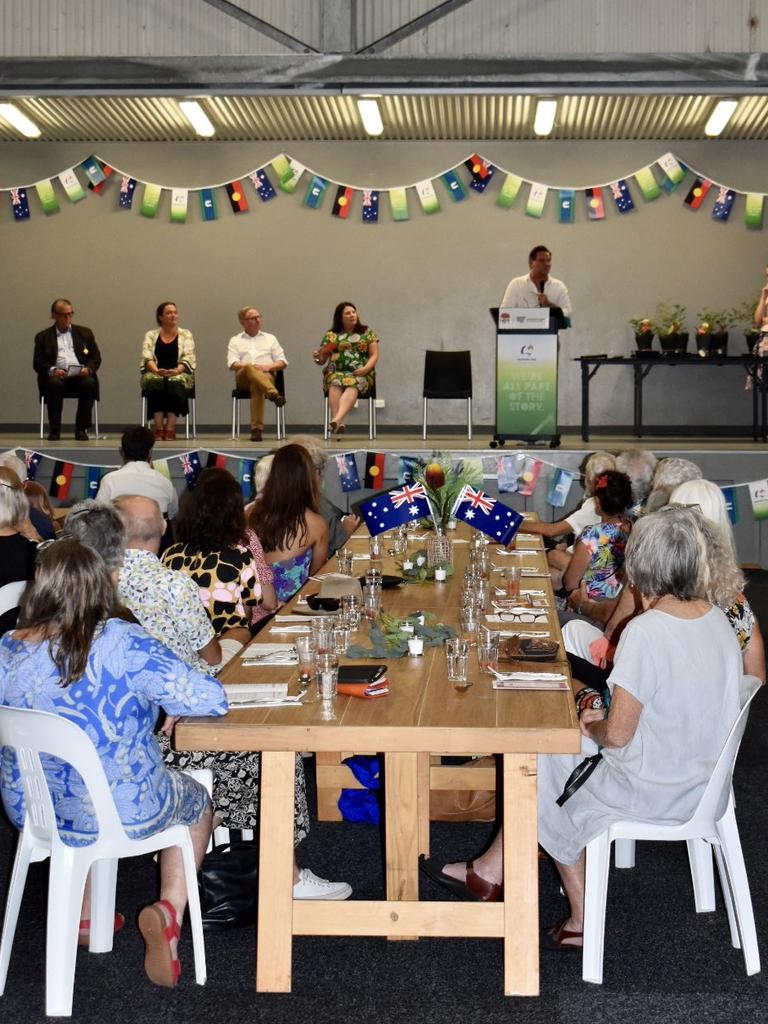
[[434, 14], [259, 25]]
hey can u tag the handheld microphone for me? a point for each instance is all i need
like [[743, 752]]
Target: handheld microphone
[[541, 286]]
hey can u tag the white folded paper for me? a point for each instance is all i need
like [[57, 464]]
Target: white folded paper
[[290, 629], [530, 681]]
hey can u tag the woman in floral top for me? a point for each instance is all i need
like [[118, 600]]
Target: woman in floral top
[[349, 352], [598, 555], [71, 657]]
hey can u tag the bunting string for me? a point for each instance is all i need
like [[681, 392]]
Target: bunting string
[[473, 174]]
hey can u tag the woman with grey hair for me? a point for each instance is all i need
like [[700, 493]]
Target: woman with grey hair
[[99, 526], [668, 474], [17, 551], [658, 748], [639, 465]]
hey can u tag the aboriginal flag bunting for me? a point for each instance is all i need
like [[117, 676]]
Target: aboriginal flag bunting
[[237, 199], [216, 461], [342, 204], [61, 480], [595, 204], [374, 470], [697, 193]]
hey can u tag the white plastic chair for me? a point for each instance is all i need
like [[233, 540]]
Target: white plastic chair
[[10, 595], [712, 828], [31, 733]]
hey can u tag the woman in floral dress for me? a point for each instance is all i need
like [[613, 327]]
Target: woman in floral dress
[[598, 554], [349, 352]]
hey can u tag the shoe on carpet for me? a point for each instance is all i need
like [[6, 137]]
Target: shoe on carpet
[[256, 435], [159, 926], [475, 889], [278, 399], [310, 887], [554, 939]]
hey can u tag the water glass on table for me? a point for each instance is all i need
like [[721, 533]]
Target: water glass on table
[[375, 548], [305, 651], [345, 559], [340, 638], [488, 651], [351, 611], [374, 578], [327, 675], [371, 602], [469, 622], [457, 662]]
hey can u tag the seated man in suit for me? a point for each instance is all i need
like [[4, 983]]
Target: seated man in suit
[[59, 352]]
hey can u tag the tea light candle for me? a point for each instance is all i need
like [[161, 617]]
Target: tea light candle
[[451, 523], [407, 563], [407, 627], [440, 575], [416, 647]]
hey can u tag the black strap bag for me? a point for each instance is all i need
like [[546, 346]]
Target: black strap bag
[[578, 777], [227, 881]]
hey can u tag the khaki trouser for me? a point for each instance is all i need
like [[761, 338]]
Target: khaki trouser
[[260, 383]]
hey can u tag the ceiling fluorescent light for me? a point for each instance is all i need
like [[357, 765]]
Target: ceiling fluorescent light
[[19, 121], [369, 112], [720, 117], [545, 116], [198, 118]]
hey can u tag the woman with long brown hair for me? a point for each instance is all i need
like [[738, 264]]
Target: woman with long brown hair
[[286, 520], [71, 656], [349, 352]]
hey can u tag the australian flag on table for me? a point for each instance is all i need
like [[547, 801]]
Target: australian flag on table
[[393, 508], [486, 514]]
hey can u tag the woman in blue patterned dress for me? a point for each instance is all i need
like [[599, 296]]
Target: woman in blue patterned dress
[[72, 657], [598, 554], [286, 520]]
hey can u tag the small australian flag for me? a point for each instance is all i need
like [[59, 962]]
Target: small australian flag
[[127, 188], [20, 204], [622, 197], [393, 508], [723, 203], [370, 206], [487, 514], [263, 186], [191, 468]]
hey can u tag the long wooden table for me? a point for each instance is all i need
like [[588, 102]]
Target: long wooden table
[[422, 715]]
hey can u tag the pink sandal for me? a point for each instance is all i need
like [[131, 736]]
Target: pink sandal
[[84, 929], [159, 925]]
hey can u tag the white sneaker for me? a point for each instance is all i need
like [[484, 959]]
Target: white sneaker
[[310, 887]]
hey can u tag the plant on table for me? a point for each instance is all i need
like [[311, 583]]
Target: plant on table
[[744, 314], [443, 480], [421, 571], [390, 640], [668, 322]]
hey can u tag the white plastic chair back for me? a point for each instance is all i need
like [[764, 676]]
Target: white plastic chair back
[[10, 595], [31, 733]]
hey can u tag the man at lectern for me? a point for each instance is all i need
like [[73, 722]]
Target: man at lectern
[[537, 288]]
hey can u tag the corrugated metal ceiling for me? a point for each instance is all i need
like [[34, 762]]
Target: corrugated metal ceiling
[[458, 116]]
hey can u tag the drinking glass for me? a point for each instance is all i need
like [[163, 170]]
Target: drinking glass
[[374, 578], [305, 649], [351, 610], [326, 675], [345, 559], [375, 548], [371, 602], [456, 661], [512, 580], [468, 620], [340, 639], [488, 652]]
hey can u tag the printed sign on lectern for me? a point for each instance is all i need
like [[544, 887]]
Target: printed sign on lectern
[[526, 376]]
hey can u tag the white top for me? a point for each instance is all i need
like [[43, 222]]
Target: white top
[[522, 293], [261, 348], [687, 674], [140, 478], [585, 515], [65, 351]]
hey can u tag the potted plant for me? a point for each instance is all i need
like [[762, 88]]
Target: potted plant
[[643, 329], [745, 315], [668, 324], [712, 331]]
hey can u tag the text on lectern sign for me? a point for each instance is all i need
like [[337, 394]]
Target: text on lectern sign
[[526, 384]]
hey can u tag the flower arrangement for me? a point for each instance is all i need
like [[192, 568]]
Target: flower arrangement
[[443, 481], [420, 570], [668, 319], [641, 325], [390, 640], [713, 321]]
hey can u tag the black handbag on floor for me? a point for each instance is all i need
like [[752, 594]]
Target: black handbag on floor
[[227, 881]]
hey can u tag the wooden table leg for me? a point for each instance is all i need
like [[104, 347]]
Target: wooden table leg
[[424, 761], [274, 933], [521, 877], [402, 827]]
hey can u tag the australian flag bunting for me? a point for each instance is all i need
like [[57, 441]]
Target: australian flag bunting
[[486, 514], [621, 196], [190, 467], [19, 204], [370, 206], [263, 186], [32, 460], [723, 203], [348, 475], [127, 188], [393, 508]]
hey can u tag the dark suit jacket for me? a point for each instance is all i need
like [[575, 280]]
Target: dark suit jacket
[[46, 350]]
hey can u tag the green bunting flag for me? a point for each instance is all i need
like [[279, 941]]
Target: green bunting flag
[[509, 191], [672, 167], [753, 213], [425, 190], [47, 196], [288, 172], [71, 185], [179, 201], [150, 200], [647, 184], [398, 203], [537, 197]]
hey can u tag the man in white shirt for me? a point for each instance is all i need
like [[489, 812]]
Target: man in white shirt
[[537, 288], [255, 357], [137, 475]]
